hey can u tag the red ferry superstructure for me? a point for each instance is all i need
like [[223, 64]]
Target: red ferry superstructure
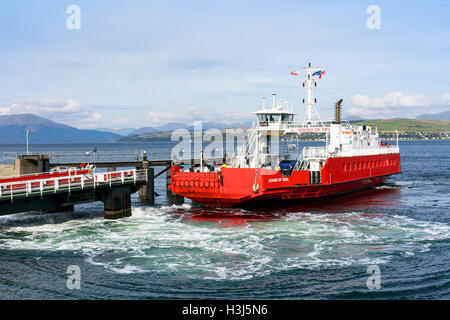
[[353, 158]]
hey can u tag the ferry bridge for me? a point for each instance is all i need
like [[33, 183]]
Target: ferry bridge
[[27, 185]]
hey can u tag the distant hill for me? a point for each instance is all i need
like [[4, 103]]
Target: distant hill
[[153, 137], [171, 126], [436, 116], [13, 127], [147, 137], [221, 126], [122, 132], [143, 130], [409, 125], [166, 135]]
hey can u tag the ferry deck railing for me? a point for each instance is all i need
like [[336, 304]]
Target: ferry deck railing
[[320, 153], [368, 151]]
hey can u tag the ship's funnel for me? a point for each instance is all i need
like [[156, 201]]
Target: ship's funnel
[[338, 111]]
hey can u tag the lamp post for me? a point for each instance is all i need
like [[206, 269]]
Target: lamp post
[[27, 134], [95, 151]]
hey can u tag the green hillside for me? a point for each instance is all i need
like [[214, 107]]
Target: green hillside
[[409, 125], [160, 136]]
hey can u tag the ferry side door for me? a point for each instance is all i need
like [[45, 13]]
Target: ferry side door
[[314, 172]]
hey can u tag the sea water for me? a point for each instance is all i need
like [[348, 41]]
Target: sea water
[[315, 249]]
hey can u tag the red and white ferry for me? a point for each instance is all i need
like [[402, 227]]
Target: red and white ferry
[[353, 158]]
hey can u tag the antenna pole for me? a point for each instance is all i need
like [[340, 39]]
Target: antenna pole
[[309, 96], [310, 101]]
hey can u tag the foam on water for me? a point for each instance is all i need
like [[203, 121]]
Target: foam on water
[[171, 239]]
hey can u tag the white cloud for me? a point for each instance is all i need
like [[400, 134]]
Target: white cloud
[[163, 117], [396, 104], [191, 114], [93, 117], [395, 99], [42, 106], [445, 98], [370, 113], [119, 121]]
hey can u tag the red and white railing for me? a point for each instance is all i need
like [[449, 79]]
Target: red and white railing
[[66, 181]]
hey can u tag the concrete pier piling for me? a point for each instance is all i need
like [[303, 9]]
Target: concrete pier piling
[[147, 191], [43, 164], [117, 203]]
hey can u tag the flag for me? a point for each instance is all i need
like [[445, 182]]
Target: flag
[[319, 73], [294, 73]]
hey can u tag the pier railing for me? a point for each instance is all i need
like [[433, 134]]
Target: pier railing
[[82, 156], [20, 186]]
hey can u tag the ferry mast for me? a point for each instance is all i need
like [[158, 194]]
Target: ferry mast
[[310, 83]]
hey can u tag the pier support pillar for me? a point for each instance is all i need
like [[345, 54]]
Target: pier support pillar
[[172, 198], [117, 203], [43, 164], [147, 191]]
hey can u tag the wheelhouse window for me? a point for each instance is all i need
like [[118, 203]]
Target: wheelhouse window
[[287, 117], [274, 118], [262, 117]]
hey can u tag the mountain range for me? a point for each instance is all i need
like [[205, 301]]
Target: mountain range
[[121, 132], [436, 116], [176, 125], [13, 128]]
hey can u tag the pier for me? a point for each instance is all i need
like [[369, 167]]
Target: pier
[[56, 181]]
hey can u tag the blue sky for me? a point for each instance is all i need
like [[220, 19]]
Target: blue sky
[[144, 63]]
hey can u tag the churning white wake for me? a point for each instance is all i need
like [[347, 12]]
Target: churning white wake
[[167, 239]]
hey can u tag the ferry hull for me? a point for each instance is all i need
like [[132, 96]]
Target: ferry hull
[[233, 187], [287, 194]]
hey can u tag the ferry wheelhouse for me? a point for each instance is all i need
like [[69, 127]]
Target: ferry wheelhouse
[[353, 158]]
